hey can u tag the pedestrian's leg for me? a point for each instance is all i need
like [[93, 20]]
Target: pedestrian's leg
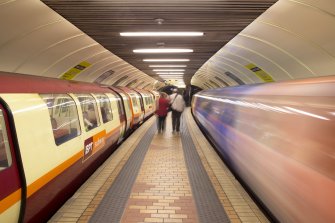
[[158, 123], [163, 123], [173, 121], [178, 121]]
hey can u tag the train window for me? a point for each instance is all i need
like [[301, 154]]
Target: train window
[[105, 108], [5, 156], [120, 108], [134, 102], [63, 117], [90, 111]]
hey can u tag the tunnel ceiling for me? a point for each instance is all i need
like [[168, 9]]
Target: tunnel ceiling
[[103, 20]]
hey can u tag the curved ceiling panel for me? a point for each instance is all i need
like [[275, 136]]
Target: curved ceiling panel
[[44, 43], [292, 39]]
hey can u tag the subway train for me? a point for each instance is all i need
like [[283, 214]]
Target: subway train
[[278, 138], [54, 134]]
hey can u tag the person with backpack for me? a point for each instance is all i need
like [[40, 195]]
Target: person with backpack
[[177, 106]]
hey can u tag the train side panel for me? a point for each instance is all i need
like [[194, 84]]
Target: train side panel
[[63, 162]]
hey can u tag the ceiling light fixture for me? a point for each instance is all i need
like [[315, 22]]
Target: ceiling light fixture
[[163, 50], [162, 34], [167, 65], [168, 70], [166, 60], [167, 73], [159, 21], [171, 75]]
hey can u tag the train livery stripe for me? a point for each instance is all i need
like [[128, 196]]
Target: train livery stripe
[[39, 183], [10, 200], [16, 196]]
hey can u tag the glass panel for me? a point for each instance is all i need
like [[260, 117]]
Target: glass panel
[[134, 101], [105, 108], [5, 156], [63, 116], [90, 111]]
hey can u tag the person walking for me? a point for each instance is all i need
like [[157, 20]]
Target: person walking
[[163, 106], [177, 105]]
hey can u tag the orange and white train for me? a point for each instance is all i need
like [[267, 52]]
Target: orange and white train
[[54, 134]]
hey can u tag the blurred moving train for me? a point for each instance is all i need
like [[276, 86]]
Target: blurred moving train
[[54, 134], [279, 139]]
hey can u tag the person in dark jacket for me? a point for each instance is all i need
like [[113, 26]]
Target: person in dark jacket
[[163, 106]]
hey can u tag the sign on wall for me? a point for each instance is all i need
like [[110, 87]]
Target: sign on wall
[[260, 73], [74, 71]]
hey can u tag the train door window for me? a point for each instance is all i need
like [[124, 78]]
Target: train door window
[[63, 116], [5, 156], [133, 99], [90, 111], [126, 102], [105, 107], [120, 108]]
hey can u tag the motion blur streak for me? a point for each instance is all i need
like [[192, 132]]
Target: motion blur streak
[[278, 138]]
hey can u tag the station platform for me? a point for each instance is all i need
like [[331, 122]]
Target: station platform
[[163, 177]]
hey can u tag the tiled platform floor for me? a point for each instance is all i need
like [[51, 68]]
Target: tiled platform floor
[[162, 191]]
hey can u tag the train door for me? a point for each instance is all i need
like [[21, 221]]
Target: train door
[[122, 117], [140, 97], [10, 181]]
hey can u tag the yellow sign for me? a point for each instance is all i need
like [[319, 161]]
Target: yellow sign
[[260, 73], [74, 71]]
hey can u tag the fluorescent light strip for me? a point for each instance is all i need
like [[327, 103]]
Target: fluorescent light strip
[[165, 76], [162, 34], [166, 60], [167, 65], [179, 78], [167, 73], [163, 50], [168, 70]]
